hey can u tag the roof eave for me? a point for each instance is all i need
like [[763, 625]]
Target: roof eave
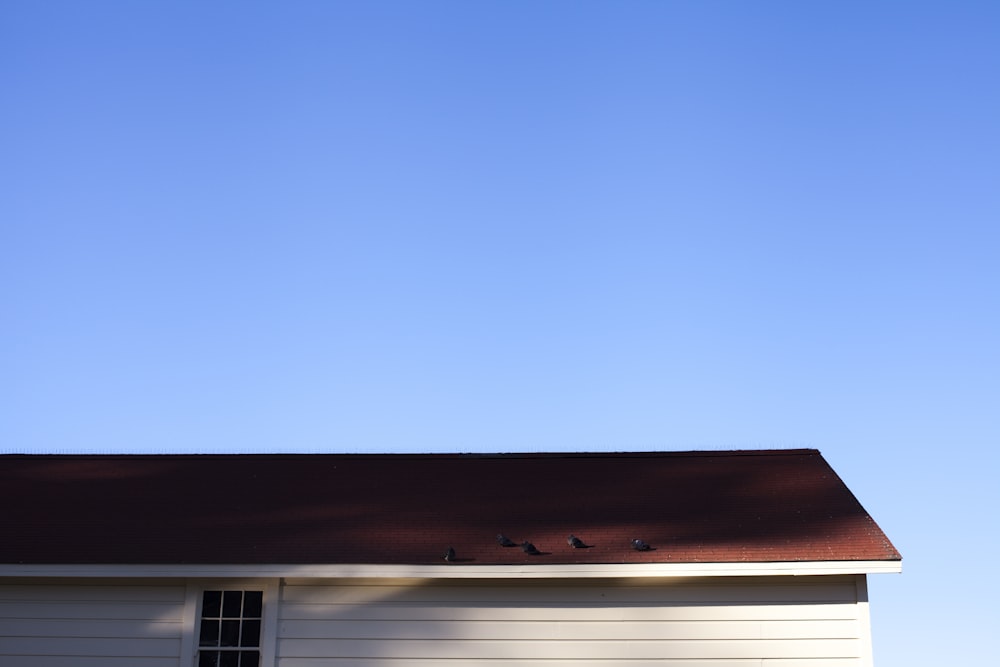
[[444, 571]]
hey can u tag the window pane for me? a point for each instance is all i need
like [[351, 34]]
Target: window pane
[[208, 659], [209, 633], [232, 603], [251, 633], [250, 659], [229, 659], [211, 603], [252, 603], [230, 635]]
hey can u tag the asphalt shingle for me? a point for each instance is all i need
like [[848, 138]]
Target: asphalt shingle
[[740, 506]]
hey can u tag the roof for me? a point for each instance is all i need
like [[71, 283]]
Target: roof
[[691, 507]]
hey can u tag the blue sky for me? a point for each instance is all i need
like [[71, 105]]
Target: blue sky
[[513, 226]]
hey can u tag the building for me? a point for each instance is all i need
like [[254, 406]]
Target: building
[[756, 558]]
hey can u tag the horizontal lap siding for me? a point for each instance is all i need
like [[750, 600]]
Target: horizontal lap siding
[[66, 625], [794, 622]]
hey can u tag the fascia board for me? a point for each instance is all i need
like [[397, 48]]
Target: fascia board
[[365, 571]]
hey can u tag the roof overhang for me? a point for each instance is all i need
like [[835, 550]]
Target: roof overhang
[[362, 571]]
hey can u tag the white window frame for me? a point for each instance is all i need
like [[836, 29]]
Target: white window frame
[[195, 589]]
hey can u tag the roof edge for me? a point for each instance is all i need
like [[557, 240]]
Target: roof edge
[[363, 571], [425, 455]]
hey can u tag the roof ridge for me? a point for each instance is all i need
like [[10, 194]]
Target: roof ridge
[[426, 455]]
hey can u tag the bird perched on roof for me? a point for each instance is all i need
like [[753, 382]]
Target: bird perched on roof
[[505, 541], [449, 555], [529, 548], [575, 542], [639, 545]]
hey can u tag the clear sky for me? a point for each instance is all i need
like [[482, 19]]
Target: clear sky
[[523, 226]]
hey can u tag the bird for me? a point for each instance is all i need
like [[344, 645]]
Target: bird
[[505, 541], [529, 548], [639, 545], [449, 555], [575, 542]]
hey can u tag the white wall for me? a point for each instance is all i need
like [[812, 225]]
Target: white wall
[[81, 623], [782, 621], [710, 622]]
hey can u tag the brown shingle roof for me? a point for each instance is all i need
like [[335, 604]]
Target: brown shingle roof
[[752, 506]]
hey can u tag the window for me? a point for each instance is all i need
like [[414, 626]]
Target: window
[[229, 632]]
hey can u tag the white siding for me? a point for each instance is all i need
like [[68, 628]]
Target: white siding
[[781, 621], [711, 622], [87, 624]]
